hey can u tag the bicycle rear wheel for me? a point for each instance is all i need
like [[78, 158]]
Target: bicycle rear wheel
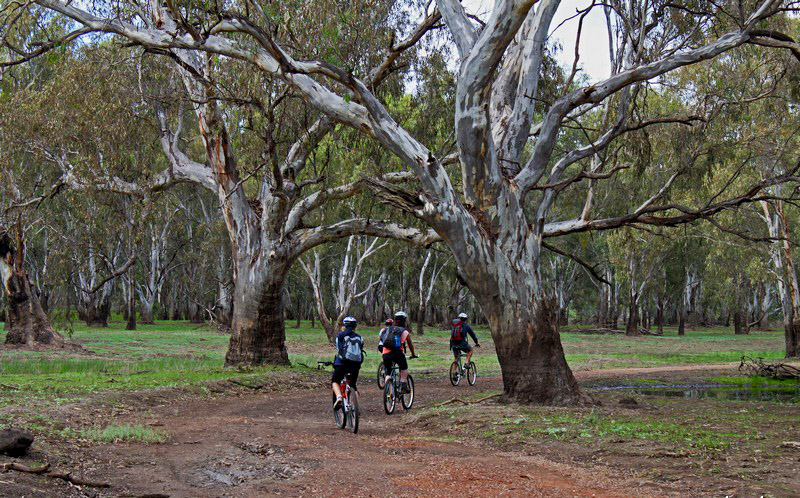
[[381, 376], [352, 416], [455, 373], [338, 413], [389, 398], [407, 399], [472, 373]]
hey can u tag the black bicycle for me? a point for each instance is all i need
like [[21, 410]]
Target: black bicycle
[[459, 371], [347, 413], [392, 391]]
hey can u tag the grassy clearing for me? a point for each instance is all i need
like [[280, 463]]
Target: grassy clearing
[[179, 354]]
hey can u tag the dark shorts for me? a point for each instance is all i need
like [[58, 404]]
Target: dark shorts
[[339, 371], [460, 346], [395, 357]]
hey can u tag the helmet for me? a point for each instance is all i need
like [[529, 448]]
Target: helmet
[[462, 315], [389, 321], [349, 320], [400, 315]]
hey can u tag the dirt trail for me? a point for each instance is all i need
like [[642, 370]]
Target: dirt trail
[[268, 444], [261, 443]]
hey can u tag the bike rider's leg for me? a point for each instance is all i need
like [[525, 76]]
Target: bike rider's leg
[[469, 355]]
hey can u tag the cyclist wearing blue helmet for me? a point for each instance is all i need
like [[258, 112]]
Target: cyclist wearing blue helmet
[[349, 355]]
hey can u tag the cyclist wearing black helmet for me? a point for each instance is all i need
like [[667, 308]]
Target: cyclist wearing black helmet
[[458, 337], [349, 355], [394, 339]]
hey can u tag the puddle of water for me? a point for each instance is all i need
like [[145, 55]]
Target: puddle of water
[[778, 394]]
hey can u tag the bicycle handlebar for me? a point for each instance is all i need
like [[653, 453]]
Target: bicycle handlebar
[[324, 364]]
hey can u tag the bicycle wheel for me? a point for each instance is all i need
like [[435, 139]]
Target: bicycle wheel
[[389, 398], [407, 399], [352, 416], [338, 413], [472, 373], [381, 376], [455, 373]]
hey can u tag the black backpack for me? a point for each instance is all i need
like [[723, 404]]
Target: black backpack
[[392, 338], [457, 332]]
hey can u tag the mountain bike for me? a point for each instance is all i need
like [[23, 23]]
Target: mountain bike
[[458, 370], [392, 391], [348, 413]]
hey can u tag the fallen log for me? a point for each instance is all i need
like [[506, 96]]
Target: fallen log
[[755, 367], [605, 330]]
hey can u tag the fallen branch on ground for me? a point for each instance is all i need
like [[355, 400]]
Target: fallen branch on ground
[[756, 367], [45, 471], [459, 400], [604, 330]]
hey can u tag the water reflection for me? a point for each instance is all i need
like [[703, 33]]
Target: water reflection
[[780, 394]]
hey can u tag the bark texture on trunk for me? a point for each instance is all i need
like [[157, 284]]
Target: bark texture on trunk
[[26, 321], [531, 357], [258, 335]]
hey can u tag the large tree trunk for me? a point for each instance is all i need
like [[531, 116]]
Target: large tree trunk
[[523, 322], [660, 316], [26, 321], [531, 357], [258, 335], [632, 326], [146, 310]]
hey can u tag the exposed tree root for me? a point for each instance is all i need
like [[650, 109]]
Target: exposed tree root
[[45, 471], [757, 368]]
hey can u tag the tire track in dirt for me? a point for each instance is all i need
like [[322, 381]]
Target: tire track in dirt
[[286, 444]]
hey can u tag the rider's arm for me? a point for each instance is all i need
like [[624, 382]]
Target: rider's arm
[[472, 334], [411, 345]]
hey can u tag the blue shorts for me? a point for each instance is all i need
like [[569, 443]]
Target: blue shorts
[[460, 346]]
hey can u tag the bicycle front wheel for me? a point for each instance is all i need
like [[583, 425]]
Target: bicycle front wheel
[[455, 373], [389, 398], [472, 373], [381, 376], [338, 413], [408, 398], [352, 416]]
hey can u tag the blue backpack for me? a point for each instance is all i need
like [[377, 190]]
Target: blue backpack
[[351, 348]]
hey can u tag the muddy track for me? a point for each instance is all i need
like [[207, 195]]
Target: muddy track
[[266, 444]]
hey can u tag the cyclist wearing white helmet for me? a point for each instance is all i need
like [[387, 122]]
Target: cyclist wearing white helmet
[[349, 355], [458, 337], [394, 339]]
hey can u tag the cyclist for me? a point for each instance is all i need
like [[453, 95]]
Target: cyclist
[[394, 339], [458, 337], [389, 323], [350, 354]]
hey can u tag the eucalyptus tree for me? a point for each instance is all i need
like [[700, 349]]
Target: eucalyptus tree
[[511, 171], [344, 281]]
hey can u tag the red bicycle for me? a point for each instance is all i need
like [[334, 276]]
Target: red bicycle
[[347, 413]]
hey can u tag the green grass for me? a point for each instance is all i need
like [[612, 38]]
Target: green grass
[[756, 382], [118, 433], [179, 354], [594, 426]]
